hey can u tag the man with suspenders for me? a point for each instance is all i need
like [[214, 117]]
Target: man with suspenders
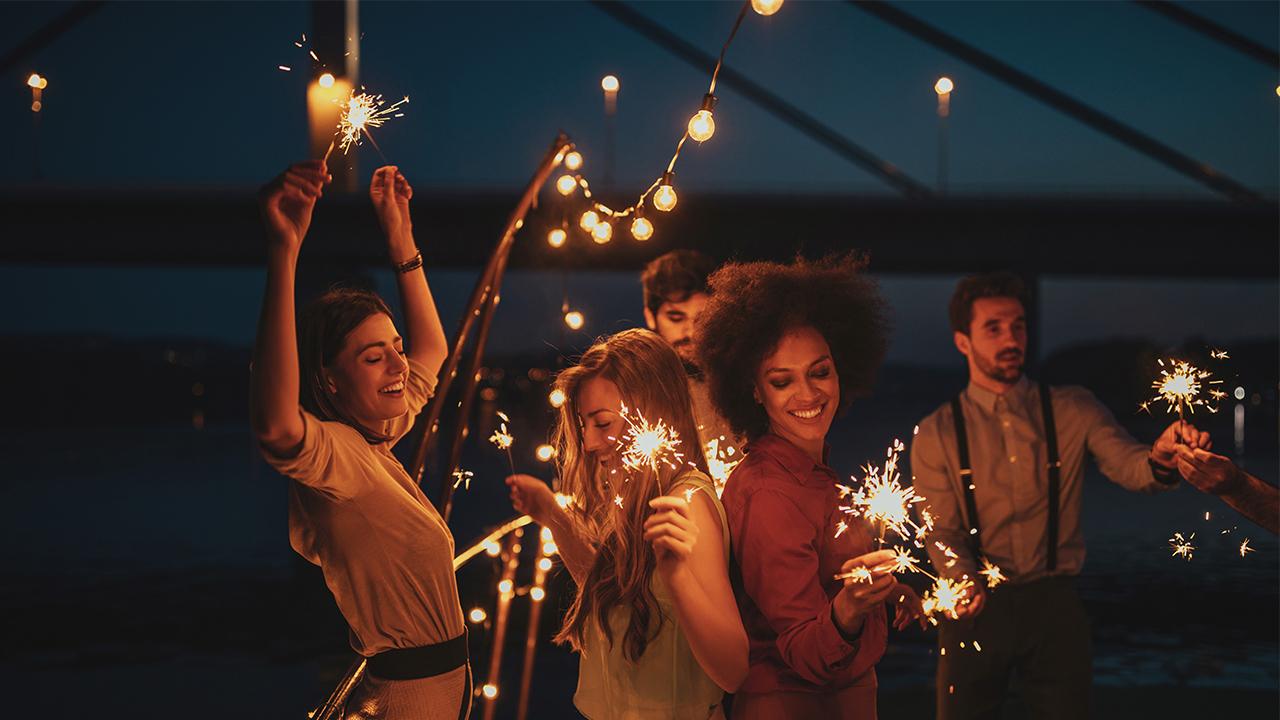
[[1001, 467]]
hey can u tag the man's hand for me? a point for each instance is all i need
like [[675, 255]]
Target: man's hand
[[1207, 471], [858, 597], [391, 192], [971, 609], [1165, 450], [908, 607], [288, 201]]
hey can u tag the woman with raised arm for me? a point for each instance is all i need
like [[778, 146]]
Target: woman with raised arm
[[647, 543], [786, 348], [329, 402]]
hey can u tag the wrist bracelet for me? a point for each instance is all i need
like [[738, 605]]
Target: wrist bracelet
[[409, 265]]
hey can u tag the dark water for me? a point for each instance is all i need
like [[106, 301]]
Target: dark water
[[149, 575]]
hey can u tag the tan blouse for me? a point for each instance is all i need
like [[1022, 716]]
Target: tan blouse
[[386, 553]]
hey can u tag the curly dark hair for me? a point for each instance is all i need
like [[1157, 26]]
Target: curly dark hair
[[754, 304], [973, 287], [675, 276]]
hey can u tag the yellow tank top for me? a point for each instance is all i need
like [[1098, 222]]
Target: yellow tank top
[[667, 681]]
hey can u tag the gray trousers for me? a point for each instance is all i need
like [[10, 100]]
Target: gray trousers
[[1034, 641]]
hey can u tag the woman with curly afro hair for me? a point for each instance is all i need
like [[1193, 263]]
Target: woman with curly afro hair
[[786, 348]]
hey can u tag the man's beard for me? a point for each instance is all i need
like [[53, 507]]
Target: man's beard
[[993, 370]]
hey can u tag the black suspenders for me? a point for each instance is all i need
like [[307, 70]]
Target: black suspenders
[[1054, 468]]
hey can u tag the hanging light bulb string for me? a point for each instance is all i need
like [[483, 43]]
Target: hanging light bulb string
[[700, 128]]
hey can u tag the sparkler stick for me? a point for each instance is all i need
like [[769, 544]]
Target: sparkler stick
[[503, 439]]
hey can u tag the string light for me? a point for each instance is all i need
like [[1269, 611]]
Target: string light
[[537, 593], [505, 586], [545, 453], [766, 7], [609, 83], [37, 82], [589, 220], [478, 615], [573, 160], [326, 80], [574, 320], [566, 185], [944, 86], [641, 228], [556, 397], [490, 690], [664, 198], [544, 564], [556, 237], [702, 125], [492, 548], [602, 233]]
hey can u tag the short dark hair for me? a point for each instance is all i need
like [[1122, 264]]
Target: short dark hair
[[675, 276], [754, 304], [987, 285], [322, 333]]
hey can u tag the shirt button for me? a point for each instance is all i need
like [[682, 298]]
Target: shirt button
[[1013, 458]]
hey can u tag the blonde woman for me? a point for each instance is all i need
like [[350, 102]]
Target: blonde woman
[[654, 618]]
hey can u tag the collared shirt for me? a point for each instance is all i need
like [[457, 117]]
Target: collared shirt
[[1009, 458], [783, 510]]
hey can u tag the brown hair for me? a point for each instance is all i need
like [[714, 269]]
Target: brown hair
[[989, 285], [322, 332], [754, 304], [651, 380], [675, 276]]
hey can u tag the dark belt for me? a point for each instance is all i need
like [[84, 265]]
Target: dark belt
[[420, 662]]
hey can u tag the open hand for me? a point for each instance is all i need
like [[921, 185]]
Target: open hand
[[671, 532], [289, 199], [977, 599], [1208, 472], [391, 192]]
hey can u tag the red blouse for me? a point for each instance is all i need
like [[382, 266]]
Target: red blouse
[[783, 511]]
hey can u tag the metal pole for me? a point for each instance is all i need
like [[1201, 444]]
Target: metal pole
[[1210, 29], [506, 591]]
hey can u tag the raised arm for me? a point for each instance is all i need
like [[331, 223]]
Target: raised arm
[[426, 341], [286, 203], [689, 543]]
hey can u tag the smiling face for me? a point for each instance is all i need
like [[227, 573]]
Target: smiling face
[[599, 404], [674, 323], [367, 378], [996, 343], [798, 386]]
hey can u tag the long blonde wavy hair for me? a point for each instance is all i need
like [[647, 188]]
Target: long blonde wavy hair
[[651, 380]]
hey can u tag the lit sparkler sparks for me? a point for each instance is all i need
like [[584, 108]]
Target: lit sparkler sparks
[[1182, 547], [719, 465], [462, 477], [1244, 548], [1219, 354], [951, 555], [882, 499], [946, 597], [361, 112], [992, 573], [500, 437], [1180, 385], [646, 444]]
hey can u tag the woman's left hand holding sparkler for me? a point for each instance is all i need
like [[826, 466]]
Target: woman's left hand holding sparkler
[[391, 193], [533, 497]]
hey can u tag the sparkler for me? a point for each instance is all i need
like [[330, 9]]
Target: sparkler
[[946, 597], [1180, 385], [361, 112], [646, 444], [719, 466], [502, 439], [1181, 546], [462, 477], [883, 500], [1244, 548], [992, 573]]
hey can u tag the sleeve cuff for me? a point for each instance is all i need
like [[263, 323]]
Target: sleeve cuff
[[1162, 474]]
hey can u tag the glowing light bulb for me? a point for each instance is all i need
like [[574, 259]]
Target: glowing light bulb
[[556, 238], [944, 86], [566, 184], [545, 452], [609, 84], [664, 198], [326, 80], [37, 82], [545, 534], [573, 160], [557, 397], [478, 615], [574, 320], [766, 7], [602, 233], [589, 220], [641, 228], [549, 548], [505, 586], [537, 594], [544, 564], [702, 126], [490, 690], [492, 548]]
